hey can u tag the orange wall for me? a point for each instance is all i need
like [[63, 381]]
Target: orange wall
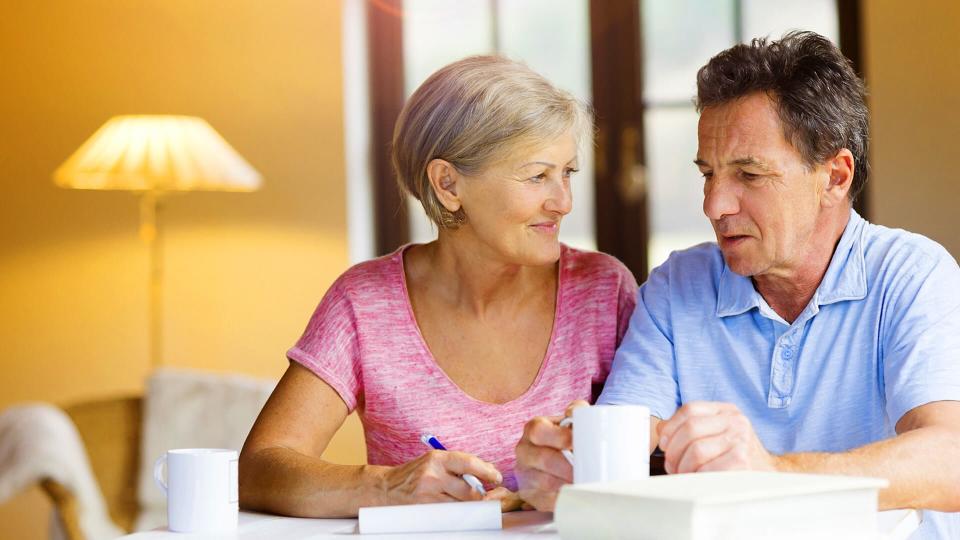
[[243, 271]]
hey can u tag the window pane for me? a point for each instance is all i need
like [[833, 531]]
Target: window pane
[[553, 38], [437, 32], [679, 36], [774, 18], [674, 185]]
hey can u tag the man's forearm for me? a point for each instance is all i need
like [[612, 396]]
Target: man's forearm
[[922, 466]]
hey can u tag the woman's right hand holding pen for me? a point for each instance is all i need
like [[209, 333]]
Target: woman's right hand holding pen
[[437, 476]]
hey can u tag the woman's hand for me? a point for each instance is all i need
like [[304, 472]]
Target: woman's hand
[[436, 476]]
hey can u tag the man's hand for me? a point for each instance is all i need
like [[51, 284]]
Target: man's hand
[[509, 500], [710, 436], [541, 469]]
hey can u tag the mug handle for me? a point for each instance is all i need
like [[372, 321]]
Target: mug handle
[[568, 421], [158, 474]]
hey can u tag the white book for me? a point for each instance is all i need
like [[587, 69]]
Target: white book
[[721, 506]]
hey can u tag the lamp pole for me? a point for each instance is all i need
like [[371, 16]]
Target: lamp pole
[[154, 156], [150, 233]]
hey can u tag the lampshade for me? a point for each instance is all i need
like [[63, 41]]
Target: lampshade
[[157, 153]]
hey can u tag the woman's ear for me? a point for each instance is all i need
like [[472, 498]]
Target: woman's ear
[[443, 180]]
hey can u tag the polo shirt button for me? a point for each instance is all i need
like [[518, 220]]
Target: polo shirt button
[[788, 353]]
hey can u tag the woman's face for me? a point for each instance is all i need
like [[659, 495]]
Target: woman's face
[[514, 208]]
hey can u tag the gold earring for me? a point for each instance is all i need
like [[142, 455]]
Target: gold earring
[[452, 220]]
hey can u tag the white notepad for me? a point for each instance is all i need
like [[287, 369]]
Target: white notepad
[[437, 517]]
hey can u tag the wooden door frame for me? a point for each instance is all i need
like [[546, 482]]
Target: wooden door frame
[[850, 22], [620, 200], [385, 45]]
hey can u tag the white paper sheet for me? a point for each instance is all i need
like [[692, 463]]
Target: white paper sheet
[[438, 517]]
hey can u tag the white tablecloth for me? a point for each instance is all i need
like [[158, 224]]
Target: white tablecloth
[[894, 525], [255, 526]]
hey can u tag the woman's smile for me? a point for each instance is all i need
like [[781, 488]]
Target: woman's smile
[[551, 228]]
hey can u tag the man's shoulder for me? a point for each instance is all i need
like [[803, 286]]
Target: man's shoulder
[[891, 252], [688, 276], [695, 262]]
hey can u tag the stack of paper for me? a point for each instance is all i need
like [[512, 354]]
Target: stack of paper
[[720, 506]]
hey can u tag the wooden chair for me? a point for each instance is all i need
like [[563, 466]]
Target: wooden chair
[[110, 430], [111, 433]]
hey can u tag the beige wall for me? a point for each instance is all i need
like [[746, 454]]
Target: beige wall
[[244, 271], [913, 70]]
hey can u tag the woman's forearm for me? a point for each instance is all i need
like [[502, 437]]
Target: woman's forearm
[[282, 481]]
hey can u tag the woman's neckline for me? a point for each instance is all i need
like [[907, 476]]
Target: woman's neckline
[[398, 258]]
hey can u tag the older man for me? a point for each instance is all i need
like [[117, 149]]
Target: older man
[[806, 339]]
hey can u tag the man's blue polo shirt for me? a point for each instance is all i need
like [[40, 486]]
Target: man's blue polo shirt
[[880, 336]]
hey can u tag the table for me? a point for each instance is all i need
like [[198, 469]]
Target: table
[[894, 525], [254, 526]]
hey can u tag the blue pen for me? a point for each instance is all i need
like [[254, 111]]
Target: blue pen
[[470, 479]]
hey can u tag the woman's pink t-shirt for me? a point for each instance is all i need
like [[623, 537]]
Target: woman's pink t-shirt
[[363, 340]]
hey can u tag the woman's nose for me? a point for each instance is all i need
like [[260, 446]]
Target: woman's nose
[[561, 198]]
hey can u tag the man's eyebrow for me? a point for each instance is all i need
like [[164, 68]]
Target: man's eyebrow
[[749, 161], [752, 162]]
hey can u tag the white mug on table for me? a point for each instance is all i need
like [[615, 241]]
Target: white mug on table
[[201, 489], [610, 442]]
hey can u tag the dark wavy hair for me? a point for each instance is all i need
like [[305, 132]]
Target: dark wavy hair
[[819, 97]]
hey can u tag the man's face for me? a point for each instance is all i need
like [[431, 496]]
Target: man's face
[[761, 199]]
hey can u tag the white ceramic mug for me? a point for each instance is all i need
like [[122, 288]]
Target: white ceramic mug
[[201, 489], [610, 443]]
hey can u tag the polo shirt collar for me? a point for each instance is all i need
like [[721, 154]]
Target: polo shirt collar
[[846, 277], [735, 293]]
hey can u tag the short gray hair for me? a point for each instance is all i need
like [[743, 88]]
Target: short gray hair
[[473, 113]]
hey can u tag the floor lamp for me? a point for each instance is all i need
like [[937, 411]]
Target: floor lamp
[[154, 156]]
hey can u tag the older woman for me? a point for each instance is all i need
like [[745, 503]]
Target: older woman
[[465, 337]]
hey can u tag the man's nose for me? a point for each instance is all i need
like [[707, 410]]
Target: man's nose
[[720, 198]]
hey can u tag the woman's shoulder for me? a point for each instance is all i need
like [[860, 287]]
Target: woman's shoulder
[[372, 277], [593, 266]]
